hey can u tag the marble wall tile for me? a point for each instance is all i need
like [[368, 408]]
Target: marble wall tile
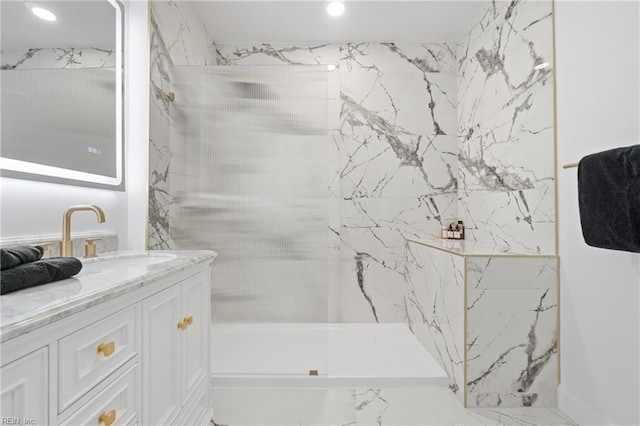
[[178, 38], [277, 54], [57, 57], [512, 347], [392, 154], [427, 57], [371, 289], [531, 229], [159, 236], [512, 272], [505, 126], [434, 298], [185, 37]]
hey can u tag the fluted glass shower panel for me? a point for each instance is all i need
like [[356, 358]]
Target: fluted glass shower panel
[[249, 178]]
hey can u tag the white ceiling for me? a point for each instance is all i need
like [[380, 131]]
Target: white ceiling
[[89, 23], [306, 21]]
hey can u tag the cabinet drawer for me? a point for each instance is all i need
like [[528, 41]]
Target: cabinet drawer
[[115, 405], [89, 355]]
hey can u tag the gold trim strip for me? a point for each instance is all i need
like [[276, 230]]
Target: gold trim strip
[[537, 256], [555, 156], [436, 247], [464, 335], [555, 125]]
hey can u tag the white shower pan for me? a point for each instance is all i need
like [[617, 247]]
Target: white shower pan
[[282, 355]]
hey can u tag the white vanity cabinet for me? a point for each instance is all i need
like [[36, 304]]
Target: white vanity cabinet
[[176, 349], [137, 355]]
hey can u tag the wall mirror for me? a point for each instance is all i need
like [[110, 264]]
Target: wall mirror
[[62, 92]]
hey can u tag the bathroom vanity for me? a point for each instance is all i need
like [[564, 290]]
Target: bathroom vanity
[[126, 341]]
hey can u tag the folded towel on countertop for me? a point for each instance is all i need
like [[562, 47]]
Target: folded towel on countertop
[[609, 198], [14, 256], [37, 273]]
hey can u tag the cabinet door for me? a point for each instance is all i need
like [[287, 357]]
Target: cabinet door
[[161, 357], [196, 303], [24, 395]]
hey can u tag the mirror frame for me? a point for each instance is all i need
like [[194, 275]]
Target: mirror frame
[[18, 169]]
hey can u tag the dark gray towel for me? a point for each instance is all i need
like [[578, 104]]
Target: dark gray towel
[[609, 198], [14, 256], [37, 273]]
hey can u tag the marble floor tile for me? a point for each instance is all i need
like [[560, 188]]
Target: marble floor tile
[[365, 407], [235, 407]]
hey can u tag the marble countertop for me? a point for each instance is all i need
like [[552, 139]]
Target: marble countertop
[[102, 278], [476, 248]]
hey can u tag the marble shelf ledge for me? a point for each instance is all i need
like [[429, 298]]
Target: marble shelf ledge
[[476, 248], [26, 310]]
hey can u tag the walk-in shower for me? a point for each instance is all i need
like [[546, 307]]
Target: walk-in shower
[[251, 160]]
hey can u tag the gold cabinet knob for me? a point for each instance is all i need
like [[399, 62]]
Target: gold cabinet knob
[[186, 322], [107, 418], [107, 349]]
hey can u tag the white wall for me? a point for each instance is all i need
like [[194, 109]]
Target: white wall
[[29, 208], [137, 124], [598, 74]]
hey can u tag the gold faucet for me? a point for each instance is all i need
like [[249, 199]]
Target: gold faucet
[[66, 245]]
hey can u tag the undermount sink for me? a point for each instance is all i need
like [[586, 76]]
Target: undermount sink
[[126, 260]]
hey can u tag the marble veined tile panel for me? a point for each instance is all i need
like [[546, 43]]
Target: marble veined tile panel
[[374, 165], [374, 224], [512, 272], [519, 222], [416, 295], [497, 55], [407, 102], [57, 57], [382, 57], [510, 151], [505, 126], [277, 54], [371, 289], [512, 348], [183, 33], [435, 303], [426, 57]]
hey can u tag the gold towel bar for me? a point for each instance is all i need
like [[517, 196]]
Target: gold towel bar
[[570, 165]]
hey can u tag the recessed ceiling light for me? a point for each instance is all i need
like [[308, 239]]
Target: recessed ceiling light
[[541, 66], [331, 67], [43, 14], [335, 8]]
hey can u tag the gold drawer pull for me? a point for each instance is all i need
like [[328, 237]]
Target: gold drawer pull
[[107, 418], [189, 320], [106, 349]]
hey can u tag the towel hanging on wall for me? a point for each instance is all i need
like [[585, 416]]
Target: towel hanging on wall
[[609, 198]]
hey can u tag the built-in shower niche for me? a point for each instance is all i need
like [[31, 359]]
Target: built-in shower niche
[[490, 320]]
